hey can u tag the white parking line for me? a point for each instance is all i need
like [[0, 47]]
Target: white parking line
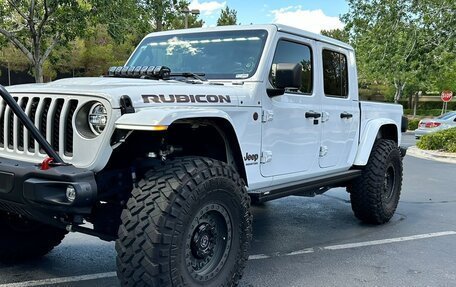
[[354, 245], [391, 240], [53, 281]]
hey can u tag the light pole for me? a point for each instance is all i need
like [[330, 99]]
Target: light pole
[[187, 12]]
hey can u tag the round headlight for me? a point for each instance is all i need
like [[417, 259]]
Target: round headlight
[[98, 118]]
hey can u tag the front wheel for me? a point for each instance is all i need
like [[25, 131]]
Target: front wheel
[[375, 194], [187, 224], [23, 239]]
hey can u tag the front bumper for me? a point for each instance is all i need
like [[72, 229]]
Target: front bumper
[[27, 190]]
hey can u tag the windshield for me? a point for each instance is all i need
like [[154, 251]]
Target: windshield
[[219, 55]]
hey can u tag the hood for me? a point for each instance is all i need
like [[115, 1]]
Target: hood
[[143, 93]]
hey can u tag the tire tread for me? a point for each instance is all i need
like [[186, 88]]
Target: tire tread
[[150, 219], [365, 191]]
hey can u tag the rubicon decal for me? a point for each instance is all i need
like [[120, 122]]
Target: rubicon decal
[[164, 99]]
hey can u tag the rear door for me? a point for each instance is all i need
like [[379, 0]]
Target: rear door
[[340, 107]]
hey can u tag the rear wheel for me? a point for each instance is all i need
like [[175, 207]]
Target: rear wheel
[[22, 239], [375, 195], [187, 224]]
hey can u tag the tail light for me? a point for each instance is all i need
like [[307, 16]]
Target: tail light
[[432, 125]]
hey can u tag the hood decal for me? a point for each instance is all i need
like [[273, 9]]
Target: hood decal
[[164, 99]]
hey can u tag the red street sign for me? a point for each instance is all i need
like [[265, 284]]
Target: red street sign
[[446, 96]]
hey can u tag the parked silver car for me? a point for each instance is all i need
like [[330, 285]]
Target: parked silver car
[[443, 122]]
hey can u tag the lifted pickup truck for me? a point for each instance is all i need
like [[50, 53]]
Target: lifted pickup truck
[[164, 155]]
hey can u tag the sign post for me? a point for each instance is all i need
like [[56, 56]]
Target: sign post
[[446, 97]]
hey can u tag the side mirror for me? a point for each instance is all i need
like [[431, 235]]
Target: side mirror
[[283, 76]]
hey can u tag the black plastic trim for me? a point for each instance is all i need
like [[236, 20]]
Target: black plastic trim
[[45, 190]]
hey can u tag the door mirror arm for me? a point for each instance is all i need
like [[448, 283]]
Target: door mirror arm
[[274, 92]]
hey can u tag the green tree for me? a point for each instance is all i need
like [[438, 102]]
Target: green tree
[[67, 59], [37, 27], [13, 58], [193, 22], [400, 41], [165, 15], [227, 17], [101, 51], [338, 34]]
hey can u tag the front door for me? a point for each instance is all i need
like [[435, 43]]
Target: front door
[[290, 140]]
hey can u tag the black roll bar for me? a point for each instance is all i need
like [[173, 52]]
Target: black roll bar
[[25, 120]]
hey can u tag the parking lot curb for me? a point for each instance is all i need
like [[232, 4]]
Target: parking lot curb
[[432, 154]]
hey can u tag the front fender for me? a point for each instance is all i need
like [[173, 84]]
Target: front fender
[[160, 118], [368, 137]]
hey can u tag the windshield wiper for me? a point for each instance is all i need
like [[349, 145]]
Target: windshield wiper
[[197, 76]]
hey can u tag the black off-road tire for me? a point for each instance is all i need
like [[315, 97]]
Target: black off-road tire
[[375, 195], [23, 239], [175, 208]]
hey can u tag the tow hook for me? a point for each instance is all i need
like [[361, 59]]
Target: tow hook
[[49, 162], [45, 165]]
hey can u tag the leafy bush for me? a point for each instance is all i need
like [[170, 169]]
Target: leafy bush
[[443, 140], [413, 124], [426, 113], [435, 105]]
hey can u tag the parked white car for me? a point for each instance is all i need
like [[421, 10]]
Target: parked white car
[[443, 122]]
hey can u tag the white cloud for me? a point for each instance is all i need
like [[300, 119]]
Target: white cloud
[[207, 8], [310, 20]]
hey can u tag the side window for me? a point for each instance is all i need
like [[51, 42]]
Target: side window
[[335, 74], [291, 52]]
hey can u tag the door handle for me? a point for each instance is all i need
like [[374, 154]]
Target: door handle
[[312, 114], [346, 115]]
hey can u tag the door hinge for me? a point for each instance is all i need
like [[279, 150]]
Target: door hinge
[[266, 156], [324, 117], [267, 116], [323, 151]]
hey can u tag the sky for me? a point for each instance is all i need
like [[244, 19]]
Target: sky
[[309, 15]]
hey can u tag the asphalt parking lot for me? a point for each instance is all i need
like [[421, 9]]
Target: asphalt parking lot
[[307, 242]]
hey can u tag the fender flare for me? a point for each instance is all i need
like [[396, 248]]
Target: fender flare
[[368, 137], [158, 119]]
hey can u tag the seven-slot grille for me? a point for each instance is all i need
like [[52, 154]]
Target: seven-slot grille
[[53, 116]]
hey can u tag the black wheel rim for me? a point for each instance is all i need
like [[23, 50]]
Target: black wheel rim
[[390, 182], [208, 242]]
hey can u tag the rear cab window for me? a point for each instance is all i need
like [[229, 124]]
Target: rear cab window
[[335, 74]]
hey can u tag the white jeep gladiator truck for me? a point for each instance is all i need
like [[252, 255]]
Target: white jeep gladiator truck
[[165, 154]]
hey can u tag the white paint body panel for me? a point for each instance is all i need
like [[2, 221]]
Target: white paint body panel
[[373, 117], [293, 140]]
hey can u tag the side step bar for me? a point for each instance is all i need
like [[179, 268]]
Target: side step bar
[[309, 187]]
